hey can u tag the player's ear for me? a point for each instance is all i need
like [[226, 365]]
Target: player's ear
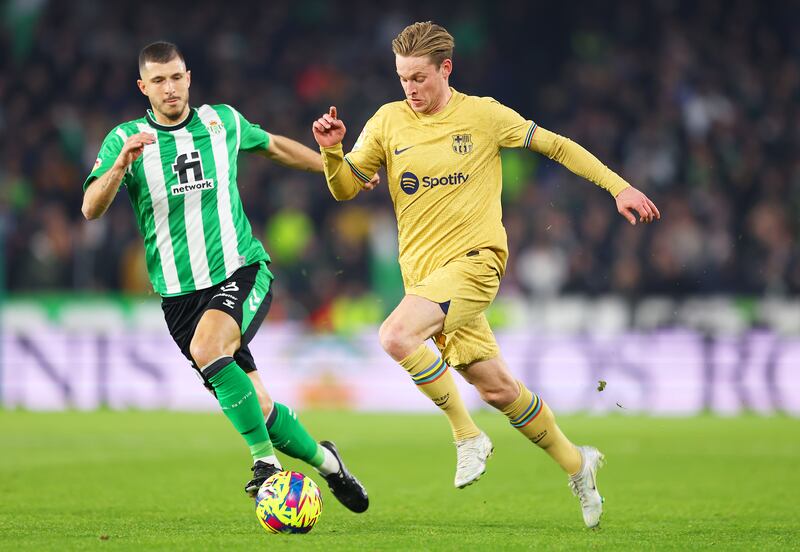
[[188, 78], [142, 87], [446, 67]]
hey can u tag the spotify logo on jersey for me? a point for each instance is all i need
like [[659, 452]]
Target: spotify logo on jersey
[[409, 183]]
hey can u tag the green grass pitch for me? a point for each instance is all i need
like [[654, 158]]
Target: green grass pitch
[[173, 481]]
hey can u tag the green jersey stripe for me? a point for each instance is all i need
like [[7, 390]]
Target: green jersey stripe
[[177, 226], [142, 208], [216, 260], [192, 211], [238, 126], [223, 169], [154, 177], [243, 231]]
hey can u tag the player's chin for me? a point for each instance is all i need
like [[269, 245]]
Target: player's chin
[[172, 109]]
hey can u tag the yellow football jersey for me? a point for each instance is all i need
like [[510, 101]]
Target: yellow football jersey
[[444, 176]]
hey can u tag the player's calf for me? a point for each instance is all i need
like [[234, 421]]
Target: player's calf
[[531, 416]]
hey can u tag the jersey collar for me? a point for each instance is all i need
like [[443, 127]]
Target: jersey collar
[[169, 128]]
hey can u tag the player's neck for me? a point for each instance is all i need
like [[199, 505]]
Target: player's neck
[[442, 103], [165, 121]]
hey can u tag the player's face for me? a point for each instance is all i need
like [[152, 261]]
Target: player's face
[[167, 87], [426, 85]]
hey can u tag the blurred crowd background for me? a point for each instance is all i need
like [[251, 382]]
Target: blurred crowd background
[[696, 103]]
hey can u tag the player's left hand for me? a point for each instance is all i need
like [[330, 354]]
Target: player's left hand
[[372, 183], [631, 202]]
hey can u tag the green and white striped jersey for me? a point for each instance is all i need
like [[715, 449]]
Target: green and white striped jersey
[[184, 193]]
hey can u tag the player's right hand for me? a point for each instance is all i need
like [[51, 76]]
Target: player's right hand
[[328, 130], [133, 148]]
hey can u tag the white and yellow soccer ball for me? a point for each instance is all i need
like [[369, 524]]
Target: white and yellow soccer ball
[[288, 502]]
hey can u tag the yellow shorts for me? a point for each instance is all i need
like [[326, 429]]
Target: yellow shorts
[[465, 287]]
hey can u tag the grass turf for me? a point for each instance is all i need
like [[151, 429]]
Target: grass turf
[[173, 481]]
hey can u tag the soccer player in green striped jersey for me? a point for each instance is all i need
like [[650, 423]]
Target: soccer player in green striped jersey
[[178, 164]]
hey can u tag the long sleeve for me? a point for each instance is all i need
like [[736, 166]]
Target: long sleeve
[[577, 159], [341, 181]]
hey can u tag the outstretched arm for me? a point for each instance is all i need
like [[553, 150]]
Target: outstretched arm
[[328, 132], [292, 154], [584, 164]]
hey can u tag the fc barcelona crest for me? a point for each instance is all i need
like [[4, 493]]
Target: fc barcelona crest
[[462, 143]]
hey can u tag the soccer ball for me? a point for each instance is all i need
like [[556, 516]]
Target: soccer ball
[[288, 502]]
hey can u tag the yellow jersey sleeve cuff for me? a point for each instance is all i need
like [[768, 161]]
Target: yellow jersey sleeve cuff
[[617, 187], [336, 153], [334, 149]]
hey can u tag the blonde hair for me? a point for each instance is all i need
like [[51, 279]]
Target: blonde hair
[[424, 39]]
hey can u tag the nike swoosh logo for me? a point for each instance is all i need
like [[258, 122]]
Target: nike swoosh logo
[[399, 151]]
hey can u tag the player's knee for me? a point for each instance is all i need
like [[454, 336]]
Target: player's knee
[[204, 352], [264, 401], [394, 341], [266, 404]]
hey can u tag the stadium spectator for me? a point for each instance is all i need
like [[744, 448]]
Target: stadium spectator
[[695, 102]]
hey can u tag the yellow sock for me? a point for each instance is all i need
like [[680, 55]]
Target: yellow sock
[[432, 377], [534, 419]]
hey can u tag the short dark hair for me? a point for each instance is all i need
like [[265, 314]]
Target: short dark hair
[[159, 52]]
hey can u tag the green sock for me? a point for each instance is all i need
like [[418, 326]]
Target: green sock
[[291, 438], [237, 397]]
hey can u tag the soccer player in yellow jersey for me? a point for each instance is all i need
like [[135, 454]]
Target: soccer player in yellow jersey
[[441, 150]]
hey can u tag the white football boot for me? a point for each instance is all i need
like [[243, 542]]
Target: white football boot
[[584, 485], [471, 456]]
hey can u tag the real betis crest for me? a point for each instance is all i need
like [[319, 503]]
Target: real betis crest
[[215, 127], [462, 143]]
